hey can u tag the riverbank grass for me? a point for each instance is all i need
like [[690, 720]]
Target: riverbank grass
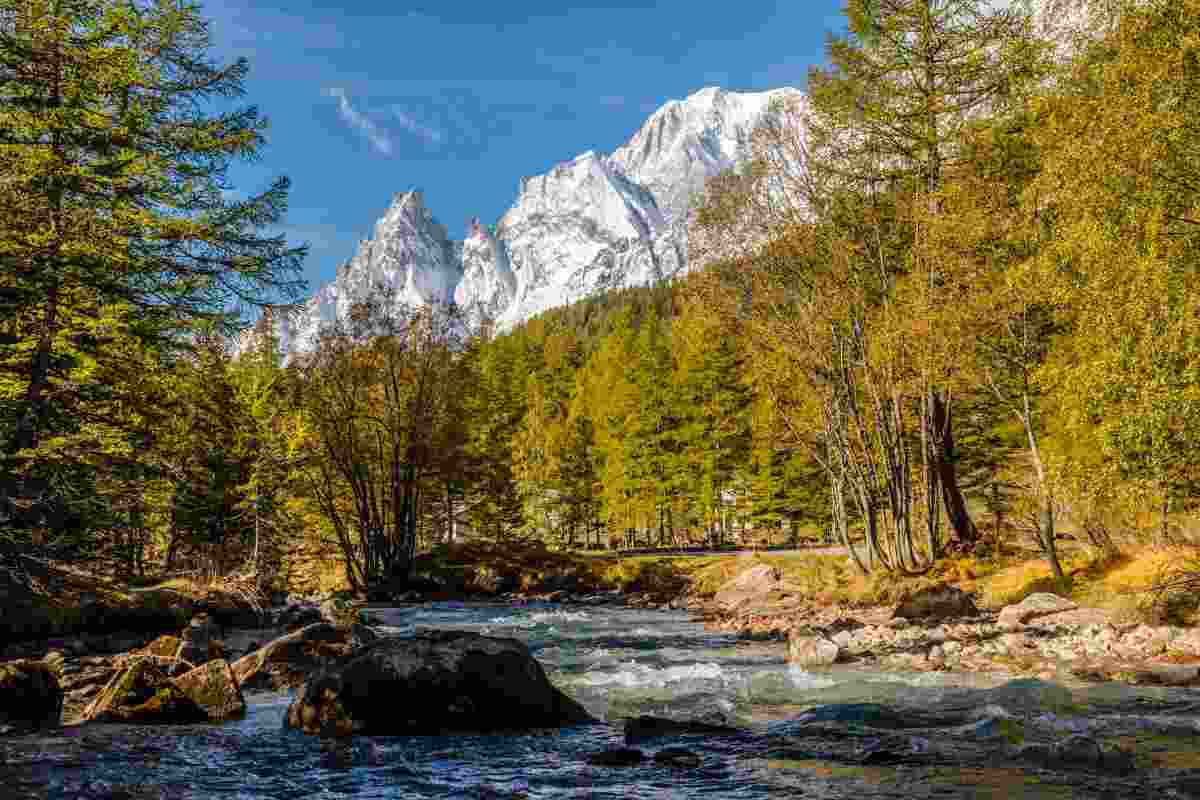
[[1120, 583]]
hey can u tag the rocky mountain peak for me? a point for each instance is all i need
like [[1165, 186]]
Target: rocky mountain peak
[[591, 223]]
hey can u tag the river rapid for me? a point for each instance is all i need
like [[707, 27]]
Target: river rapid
[[931, 734]]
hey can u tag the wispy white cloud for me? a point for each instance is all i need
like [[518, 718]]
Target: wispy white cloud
[[410, 124], [379, 138]]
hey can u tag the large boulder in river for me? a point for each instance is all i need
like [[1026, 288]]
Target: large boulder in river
[[213, 687], [143, 695], [936, 603], [433, 683], [30, 696], [1040, 604], [289, 660]]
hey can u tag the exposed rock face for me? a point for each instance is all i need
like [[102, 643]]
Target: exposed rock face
[[488, 284], [289, 660], [1041, 604], [410, 255], [214, 688], [433, 683], [812, 651], [583, 227], [593, 223], [30, 696], [687, 141], [143, 694], [750, 583], [943, 602]]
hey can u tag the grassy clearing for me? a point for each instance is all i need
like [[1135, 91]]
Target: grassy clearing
[[1120, 583]]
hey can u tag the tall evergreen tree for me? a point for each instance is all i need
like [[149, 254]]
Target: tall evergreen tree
[[116, 147]]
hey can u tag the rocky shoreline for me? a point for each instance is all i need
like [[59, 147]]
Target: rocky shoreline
[[272, 649], [327, 653], [1044, 636]]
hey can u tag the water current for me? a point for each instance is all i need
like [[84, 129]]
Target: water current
[[617, 662]]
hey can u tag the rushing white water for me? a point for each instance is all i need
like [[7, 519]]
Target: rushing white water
[[620, 662]]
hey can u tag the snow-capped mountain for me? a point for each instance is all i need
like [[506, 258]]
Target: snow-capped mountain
[[687, 141], [601, 222], [410, 254], [488, 284], [593, 223]]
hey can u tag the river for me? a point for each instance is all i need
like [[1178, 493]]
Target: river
[[622, 662]]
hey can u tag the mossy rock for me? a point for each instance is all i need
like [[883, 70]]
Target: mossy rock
[[214, 688], [30, 696], [143, 695], [163, 647]]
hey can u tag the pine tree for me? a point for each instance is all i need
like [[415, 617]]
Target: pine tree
[[114, 205], [495, 409], [715, 412]]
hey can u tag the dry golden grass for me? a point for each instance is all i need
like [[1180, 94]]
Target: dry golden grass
[[1120, 583]]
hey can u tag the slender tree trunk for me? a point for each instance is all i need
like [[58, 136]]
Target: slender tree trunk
[[1165, 532], [842, 528], [933, 489], [1047, 535], [965, 532]]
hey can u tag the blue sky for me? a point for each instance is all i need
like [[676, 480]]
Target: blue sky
[[369, 98]]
